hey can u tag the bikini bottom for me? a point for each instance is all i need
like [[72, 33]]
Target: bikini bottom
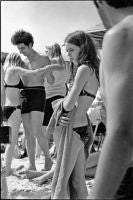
[[8, 110], [86, 136]]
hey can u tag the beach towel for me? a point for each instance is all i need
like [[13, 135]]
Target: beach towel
[[69, 147]]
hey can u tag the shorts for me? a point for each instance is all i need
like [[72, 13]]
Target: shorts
[[32, 99], [125, 191], [49, 110]]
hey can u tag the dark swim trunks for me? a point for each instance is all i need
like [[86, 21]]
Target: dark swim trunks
[[8, 110], [32, 99], [125, 191], [49, 110]]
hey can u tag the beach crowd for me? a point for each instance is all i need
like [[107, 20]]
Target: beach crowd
[[77, 109]]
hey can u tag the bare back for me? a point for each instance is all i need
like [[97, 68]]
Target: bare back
[[118, 59], [116, 73], [11, 93]]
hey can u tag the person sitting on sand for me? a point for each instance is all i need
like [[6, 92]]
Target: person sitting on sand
[[40, 177]]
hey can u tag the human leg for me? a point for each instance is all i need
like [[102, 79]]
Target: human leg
[[26, 119], [78, 185], [48, 114], [14, 122], [44, 177], [91, 164], [38, 150], [31, 174], [30, 139], [40, 176], [37, 118]]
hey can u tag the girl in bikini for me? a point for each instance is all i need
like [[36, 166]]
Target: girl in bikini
[[14, 68], [82, 53]]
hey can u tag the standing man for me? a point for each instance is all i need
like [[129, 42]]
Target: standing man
[[114, 176], [33, 97]]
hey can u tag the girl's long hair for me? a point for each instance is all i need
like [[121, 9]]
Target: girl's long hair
[[56, 52], [88, 53]]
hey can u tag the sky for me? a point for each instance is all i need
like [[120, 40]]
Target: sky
[[47, 21]]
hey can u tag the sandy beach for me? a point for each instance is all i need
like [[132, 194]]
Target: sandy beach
[[23, 188]]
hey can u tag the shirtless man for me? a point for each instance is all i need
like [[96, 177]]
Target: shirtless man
[[33, 97], [116, 74]]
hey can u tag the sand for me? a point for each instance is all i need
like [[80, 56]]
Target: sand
[[22, 188]]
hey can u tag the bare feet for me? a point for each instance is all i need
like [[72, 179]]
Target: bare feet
[[40, 180], [12, 171], [30, 174], [45, 177], [24, 171]]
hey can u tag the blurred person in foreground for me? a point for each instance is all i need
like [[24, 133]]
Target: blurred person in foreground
[[114, 175]]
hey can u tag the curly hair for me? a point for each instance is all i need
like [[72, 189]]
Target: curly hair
[[88, 53], [22, 36]]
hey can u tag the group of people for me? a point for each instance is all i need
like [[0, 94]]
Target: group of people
[[36, 90], [25, 98]]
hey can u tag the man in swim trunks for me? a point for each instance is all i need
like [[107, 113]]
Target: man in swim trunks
[[114, 176], [32, 97]]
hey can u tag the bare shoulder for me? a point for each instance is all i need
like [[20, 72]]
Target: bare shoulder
[[59, 60], [11, 71], [121, 34], [118, 47], [55, 60], [44, 59], [83, 68], [84, 71]]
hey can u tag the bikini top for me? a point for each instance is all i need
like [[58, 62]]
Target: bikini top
[[20, 85], [85, 93]]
